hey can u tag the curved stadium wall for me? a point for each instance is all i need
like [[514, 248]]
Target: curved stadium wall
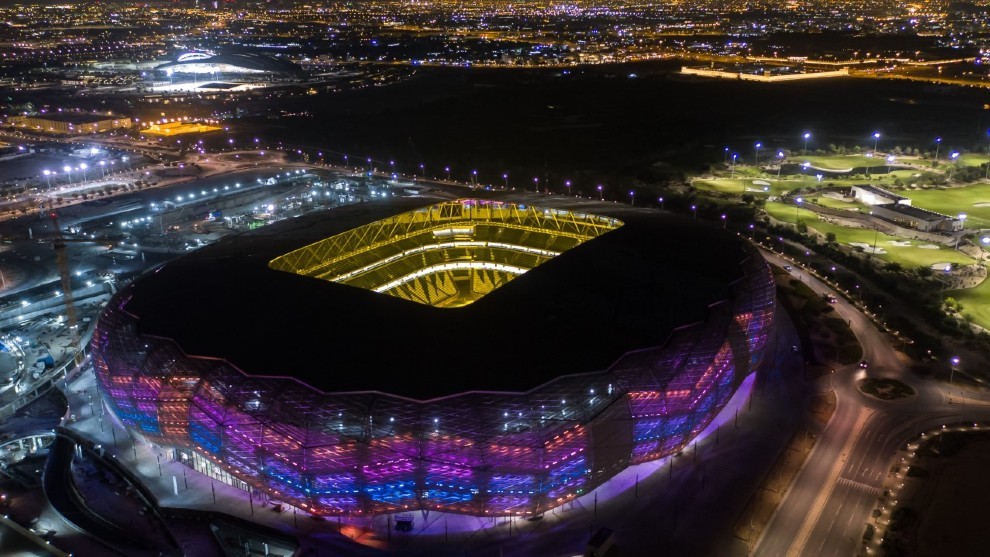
[[480, 453]]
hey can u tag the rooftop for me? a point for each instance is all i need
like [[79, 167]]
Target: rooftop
[[577, 312]]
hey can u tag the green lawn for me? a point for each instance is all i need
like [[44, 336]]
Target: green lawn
[[739, 186], [840, 162], [973, 159], [952, 201], [976, 302], [908, 255]]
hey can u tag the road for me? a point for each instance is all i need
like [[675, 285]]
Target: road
[[827, 508]]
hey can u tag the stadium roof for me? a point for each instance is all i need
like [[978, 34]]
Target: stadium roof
[[247, 60], [578, 312]]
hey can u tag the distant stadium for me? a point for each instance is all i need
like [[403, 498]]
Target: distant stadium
[[484, 357], [237, 63]]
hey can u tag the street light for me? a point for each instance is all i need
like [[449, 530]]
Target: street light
[[505, 178], [447, 169], [83, 166], [938, 143], [890, 160], [797, 206], [536, 182], [48, 176], [632, 197], [474, 177], [952, 369], [953, 157], [734, 156], [661, 203], [724, 220], [780, 165], [807, 136], [725, 156], [756, 159], [819, 176], [68, 172], [962, 218], [694, 210], [876, 140], [568, 185], [103, 169], [601, 194]]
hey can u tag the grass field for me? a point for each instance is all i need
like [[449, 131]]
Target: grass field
[[973, 159], [739, 186], [907, 255], [976, 302], [840, 162], [952, 201]]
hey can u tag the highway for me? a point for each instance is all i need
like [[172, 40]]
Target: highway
[[827, 508]]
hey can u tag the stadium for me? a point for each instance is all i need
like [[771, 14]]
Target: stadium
[[475, 356], [233, 63]]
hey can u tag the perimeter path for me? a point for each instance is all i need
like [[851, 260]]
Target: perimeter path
[[827, 508]]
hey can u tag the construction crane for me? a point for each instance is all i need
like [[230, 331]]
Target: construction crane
[[62, 262]]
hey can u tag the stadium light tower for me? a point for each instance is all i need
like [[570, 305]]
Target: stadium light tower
[[807, 136]]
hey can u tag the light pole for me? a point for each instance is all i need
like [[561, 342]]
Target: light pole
[[601, 194], [780, 165], [734, 156], [797, 206], [422, 170], [890, 160], [807, 136], [474, 177], [819, 176], [952, 158], [505, 178], [724, 220], [876, 141], [938, 143], [536, 183], [632, 198], [756, 158], [83, 166], [103, 169], [661, 203], [68, 172], [567, 184], [345, 161], [447, 169], [694, 211], [725, 156], [952, 369], [983, 250], [48, 177]]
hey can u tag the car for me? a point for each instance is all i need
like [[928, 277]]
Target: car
[[794, 348], [788, 268], [832, 299], [864, 364]]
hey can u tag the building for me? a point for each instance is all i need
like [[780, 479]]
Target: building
[[872, 195], [178, 128], [483, 357], [237, 63], [70, 123], [920, 219]]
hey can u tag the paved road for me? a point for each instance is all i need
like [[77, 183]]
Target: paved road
[[830, 503]]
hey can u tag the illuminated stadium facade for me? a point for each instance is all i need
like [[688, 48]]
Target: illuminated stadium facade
[[473, 356]]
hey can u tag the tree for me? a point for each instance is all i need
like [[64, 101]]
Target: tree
[[831, 238]]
